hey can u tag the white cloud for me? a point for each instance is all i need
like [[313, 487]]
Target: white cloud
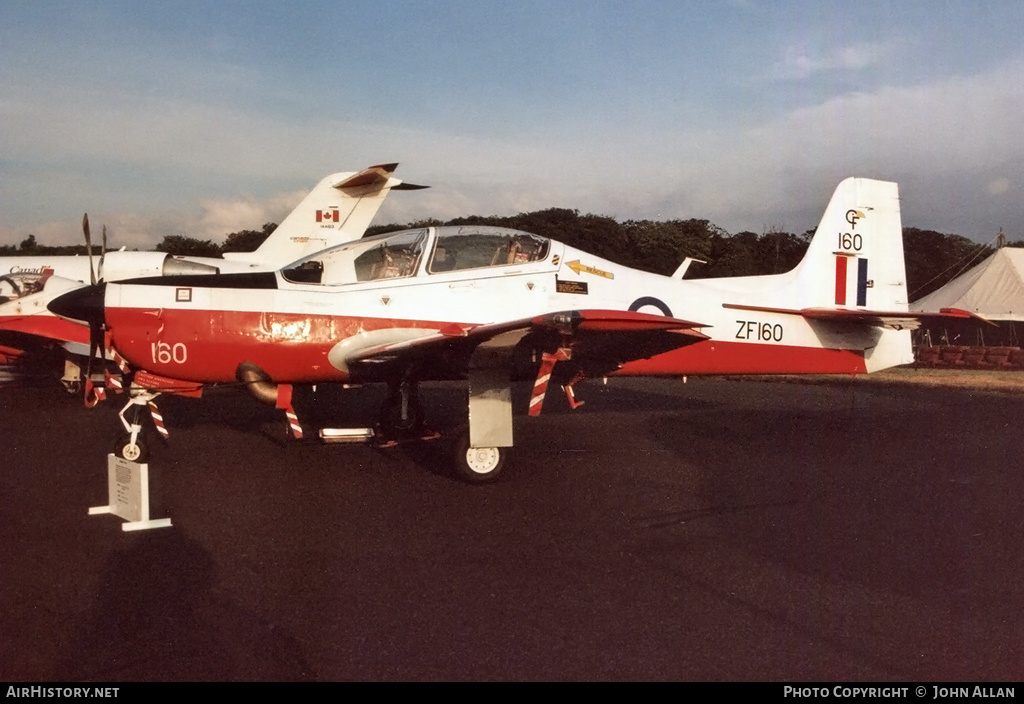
[[221, 217], [944, 142], [998, 187], [801, 62]]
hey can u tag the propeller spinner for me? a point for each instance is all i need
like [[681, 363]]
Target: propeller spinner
[[85, 305]]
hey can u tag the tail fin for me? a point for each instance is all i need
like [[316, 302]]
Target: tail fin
[[854, 267], [851, 285], [855, 259], [337, 210]]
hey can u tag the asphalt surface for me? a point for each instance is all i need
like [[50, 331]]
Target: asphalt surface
[[714, 530]]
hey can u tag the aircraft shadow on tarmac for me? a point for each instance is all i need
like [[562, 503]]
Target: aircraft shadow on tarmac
[[155, 614]]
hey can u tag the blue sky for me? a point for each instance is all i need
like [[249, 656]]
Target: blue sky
[[203, 118]]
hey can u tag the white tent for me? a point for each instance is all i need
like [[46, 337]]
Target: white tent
[[994, 289]]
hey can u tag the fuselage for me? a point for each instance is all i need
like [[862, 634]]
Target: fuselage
[[425, 281]]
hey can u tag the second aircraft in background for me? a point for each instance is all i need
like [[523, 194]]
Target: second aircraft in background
[[337, 210]]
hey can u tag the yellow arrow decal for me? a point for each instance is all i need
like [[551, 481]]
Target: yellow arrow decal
[[584, 269]]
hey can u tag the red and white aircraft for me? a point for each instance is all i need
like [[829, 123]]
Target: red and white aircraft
[[337, 210], [491, 304]]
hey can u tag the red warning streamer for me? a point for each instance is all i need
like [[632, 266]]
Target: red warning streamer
[[158, 420], [540, 387], [293, 423]]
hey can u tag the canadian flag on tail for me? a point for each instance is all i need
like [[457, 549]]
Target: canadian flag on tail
[[327, 215]]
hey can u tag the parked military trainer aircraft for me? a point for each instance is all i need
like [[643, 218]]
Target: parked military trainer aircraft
[[337, 210], [491, 305]]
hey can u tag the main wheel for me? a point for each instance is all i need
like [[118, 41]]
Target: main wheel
[[72, 386], [392, 421], [133, 452], [478, 465]]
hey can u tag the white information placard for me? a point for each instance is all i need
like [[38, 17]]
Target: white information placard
[[128, 495]]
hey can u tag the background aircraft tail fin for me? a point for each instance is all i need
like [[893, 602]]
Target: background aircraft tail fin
[[337, 210]]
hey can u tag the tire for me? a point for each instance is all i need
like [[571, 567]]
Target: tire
[[391, 421], [139, 452], [478, 465], [72, 386]]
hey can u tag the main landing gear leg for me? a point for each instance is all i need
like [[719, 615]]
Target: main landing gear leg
[[481, 453], [401, 415]]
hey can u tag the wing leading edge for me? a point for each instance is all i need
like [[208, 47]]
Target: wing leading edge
[[600, 338]]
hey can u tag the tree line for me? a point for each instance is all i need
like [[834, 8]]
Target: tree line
[[932, 258]]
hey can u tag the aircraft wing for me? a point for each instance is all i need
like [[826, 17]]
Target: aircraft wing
[[600, 340], [897, 320]]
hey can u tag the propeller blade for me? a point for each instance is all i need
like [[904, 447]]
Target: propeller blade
[[103, 254], [88, 247], [96, 345]]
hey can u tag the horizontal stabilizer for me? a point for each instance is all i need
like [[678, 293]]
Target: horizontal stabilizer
[[375, 177], [896, 320]]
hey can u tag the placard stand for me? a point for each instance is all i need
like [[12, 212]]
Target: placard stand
[[128, 493]]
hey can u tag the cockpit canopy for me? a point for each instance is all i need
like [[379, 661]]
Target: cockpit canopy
[[20, 284], [398, 255]]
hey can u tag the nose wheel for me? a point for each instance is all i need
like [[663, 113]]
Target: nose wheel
[[131, 444], [133, 450]]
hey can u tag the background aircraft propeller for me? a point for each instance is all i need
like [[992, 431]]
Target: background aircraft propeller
[[96, 324], [95, 272], [88, 247]]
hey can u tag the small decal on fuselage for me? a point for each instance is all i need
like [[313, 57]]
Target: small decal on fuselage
[[183, 295], [581, 268], [571, 286]]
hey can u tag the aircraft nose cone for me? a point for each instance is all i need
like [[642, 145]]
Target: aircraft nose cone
[[83, 304]]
